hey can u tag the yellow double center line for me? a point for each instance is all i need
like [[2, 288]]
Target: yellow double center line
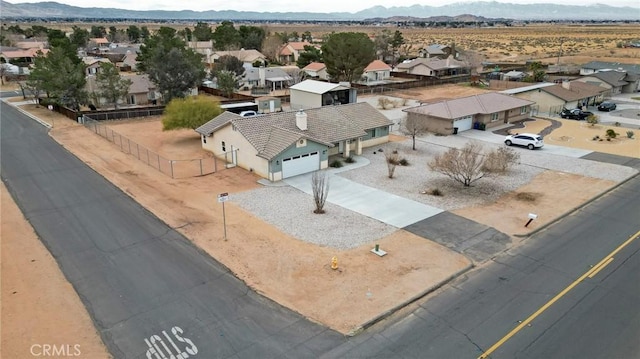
[[590, 274]]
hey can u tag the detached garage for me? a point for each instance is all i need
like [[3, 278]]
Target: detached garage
[[298, 165]]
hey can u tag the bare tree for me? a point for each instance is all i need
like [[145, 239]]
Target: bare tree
[[413, 126], [393, 160], [3, 72], [462, 165], [320, 187]]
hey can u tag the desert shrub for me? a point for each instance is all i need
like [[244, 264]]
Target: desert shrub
[[617, 124], [350, 159], [630, 134], [403, 162], [461, 165], [336, 164], [436, 192], [527, 196], [611, 134], [593, 120], [595, 138], [393, 160], [384, 102], [500, 160]]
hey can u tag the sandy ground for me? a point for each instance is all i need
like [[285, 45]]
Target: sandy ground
[[297, 274], [39, 306]]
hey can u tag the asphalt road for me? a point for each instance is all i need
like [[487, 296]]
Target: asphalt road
[[598, 318], [149, 291]]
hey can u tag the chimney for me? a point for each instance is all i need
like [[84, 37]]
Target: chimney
[[301, 120], [566, 85], [262, 74], [449, 60]]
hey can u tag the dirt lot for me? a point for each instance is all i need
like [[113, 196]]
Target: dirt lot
[[298, 274]]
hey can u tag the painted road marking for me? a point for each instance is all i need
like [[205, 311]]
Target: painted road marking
[[590, 273], [159, 349], [597, 269]]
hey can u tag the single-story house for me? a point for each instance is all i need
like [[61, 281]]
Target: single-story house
[[19, 56], [435, 67], [489, 110], [273, 78], [613, 81], [142, 91], [316, 70], [248, 57], [286, 144], [551, 98], [290, 52], [312, 93], [376, 71], [597, 66]]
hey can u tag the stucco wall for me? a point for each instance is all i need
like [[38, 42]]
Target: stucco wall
[[433, 124], [544, 100], [245, 155]]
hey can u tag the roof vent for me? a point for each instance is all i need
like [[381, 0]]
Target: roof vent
[[301, 120]]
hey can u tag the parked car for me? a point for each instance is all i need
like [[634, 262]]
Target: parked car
[[529, 140], [607, 106], [575, 114], [248, 113]]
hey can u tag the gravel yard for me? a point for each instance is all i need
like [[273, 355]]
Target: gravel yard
[[341, 228]]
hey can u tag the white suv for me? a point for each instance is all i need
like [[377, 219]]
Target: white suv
[[528, 140]]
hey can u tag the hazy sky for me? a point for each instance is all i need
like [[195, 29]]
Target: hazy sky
[[292, 5]]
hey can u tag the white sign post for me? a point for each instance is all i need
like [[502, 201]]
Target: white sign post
[[222, 198]]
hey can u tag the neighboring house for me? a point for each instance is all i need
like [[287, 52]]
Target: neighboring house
[[490, 109], [17, 56], [551, 98], [26, 45], [99, 43], [272, 78], [596, 66], [312, 93], [376, 71], [141, 92], [514, 76], [438, 51], [316, 70], [286, 144], [613, 81], [436, 68], [290, 52], [248, 57], [92, 64]]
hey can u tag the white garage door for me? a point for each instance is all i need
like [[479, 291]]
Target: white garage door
[[297, 165], [463, 124]]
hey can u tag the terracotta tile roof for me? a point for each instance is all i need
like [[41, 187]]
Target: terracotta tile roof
[[299, 45], [315, 66], [486, 103], [250, 55], [286, 51], [577, 91], [99, 40], [270, 134], [377, 65], [16, 54]]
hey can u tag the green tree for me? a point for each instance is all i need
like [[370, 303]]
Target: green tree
[[79, 37], [346, 54], [202, 32], [227, 82], [57, 37], [537, 73], [396, 41], [306, 36], [251, 37], [191, 112], [170, 64], [382, 44], [144, 33], [226, 36], [310, 54], [60, 77], [133, 33], [111, 86], [113, 32], [229, 63], [98, 31]]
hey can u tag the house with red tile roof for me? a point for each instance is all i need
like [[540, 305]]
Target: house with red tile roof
[[290, 52], [316, 70], [376, 71]]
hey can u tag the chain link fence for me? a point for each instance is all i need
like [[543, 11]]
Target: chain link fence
[[172, 168]]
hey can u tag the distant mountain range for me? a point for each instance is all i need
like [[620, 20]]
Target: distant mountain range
[[488, 9]]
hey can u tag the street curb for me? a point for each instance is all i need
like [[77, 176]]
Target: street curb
[[576, 208], [422, 294], [45, 124]]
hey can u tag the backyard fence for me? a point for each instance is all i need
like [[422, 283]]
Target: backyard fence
[[172, 168]]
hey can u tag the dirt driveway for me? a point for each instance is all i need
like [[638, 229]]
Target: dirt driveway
[[294, 273]]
